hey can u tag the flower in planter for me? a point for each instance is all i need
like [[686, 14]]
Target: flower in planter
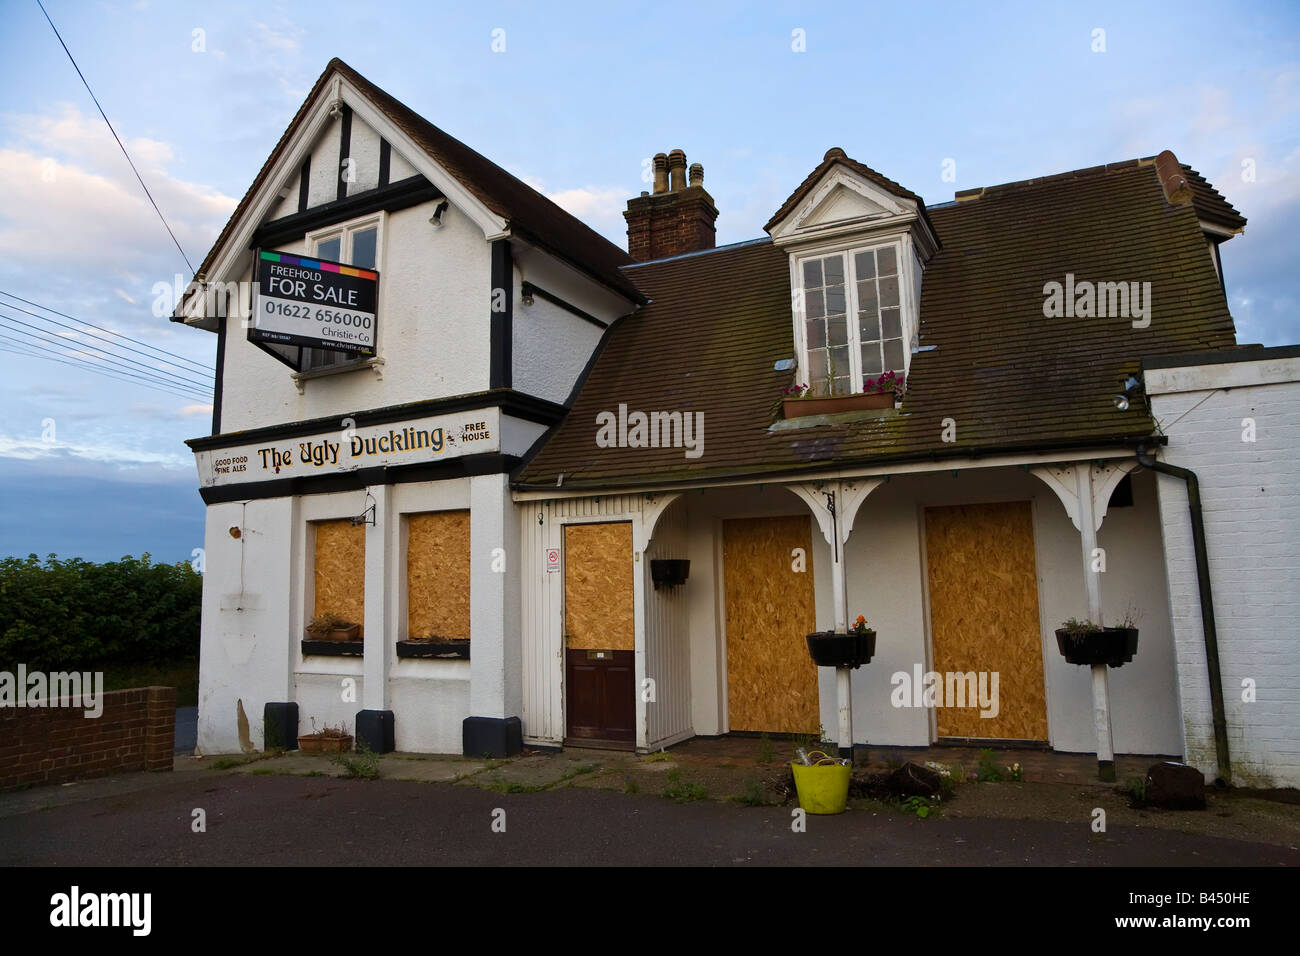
[[794, 391], [860, 626], [324, 623], [888, 382]]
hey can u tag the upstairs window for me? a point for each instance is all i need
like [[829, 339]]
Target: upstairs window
[[853, 325], [353, 244]]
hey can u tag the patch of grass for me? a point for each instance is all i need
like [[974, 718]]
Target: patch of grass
[[659, 757], [766, 750], [577, 771], [362, 765], [681, 791], [261, 772], [226, 763], [503, 786], [919, 806], [752, 795], [1136, 788], [630, 785], [989, 771]]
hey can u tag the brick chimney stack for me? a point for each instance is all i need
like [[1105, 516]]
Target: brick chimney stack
[[677, 218]]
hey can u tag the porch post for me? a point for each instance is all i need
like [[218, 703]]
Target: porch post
[[1092, 582], [840, 588]]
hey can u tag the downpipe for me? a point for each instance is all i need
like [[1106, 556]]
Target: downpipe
[[1147, 460]]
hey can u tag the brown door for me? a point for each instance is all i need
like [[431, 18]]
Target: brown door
[[600, 684], [984, 617], [771, 680]]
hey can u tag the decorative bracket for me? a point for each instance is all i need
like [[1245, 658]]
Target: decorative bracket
[[1064, 483]]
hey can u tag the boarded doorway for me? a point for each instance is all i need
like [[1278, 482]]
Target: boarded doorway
[[600, 639], [984, 615], [770, 610]]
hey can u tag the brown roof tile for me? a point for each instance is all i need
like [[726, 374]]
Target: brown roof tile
[[1008, 376]]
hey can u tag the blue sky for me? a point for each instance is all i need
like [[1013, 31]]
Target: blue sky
[[580, 97]]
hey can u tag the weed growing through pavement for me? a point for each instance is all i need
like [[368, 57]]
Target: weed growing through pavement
[[682, 791], [363, 765]]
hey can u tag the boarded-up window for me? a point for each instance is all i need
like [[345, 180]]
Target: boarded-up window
[[437, 575], [598, 602], [340, 570]]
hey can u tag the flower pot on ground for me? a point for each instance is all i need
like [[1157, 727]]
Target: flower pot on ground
[[329, 740], [823, 786], [857, 647], [1082, 642]]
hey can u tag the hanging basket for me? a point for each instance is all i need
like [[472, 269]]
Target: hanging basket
[[829, 649], [1112, 646]]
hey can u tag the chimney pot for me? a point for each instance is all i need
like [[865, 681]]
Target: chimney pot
[[661, 173], [697, 174], [676, 170]]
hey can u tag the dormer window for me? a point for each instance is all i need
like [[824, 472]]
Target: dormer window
[[853, 326], [356, 244]]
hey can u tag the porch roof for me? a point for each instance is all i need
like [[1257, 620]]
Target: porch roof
[[1006, 375]]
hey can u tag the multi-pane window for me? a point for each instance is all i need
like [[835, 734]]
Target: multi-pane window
[[352, 245], [853, 324]]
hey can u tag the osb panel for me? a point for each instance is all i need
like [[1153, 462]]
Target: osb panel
[[437, 574], [598, 601], [340, 573], [984, 614], [770, 608]]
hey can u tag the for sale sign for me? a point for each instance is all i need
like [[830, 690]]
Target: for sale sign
[[315, 303]]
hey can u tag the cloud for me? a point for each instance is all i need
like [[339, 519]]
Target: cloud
[[66, 454], [600, 207]]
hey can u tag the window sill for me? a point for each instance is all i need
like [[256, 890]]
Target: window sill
[[332, 648], [433, 650], [376, 363], [837, 418]]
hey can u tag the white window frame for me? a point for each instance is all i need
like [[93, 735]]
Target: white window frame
[[907, 322], [345, 232]]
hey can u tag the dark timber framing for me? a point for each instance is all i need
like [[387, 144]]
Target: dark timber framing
[[399, 195], [345, 148], [527, 289], [304, 183], [221, 365], [385, 161], [512, 403], [502, 319]]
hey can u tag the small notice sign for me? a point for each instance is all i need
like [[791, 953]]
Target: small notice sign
[[552, 559]]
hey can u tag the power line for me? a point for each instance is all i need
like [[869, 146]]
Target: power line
[[46, 308], [172, 376], [116, 137], [115, 345], [116, 374], [90, 363]]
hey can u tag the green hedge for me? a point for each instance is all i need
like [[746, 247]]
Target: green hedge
[[73, 614]]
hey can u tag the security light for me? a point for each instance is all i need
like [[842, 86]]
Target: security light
[[436, 219], [1121, 402]]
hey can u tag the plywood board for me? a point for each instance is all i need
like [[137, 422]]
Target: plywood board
[[437, 574], [770, 610], [340, 571], [598, 599], [984, 615]]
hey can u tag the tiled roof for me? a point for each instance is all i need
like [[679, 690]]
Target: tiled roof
[[528, 212], [1009, 377]]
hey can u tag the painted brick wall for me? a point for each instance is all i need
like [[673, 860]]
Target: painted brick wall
[[1251, 503], [41, 745]]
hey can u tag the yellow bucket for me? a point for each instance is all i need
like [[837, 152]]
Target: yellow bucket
[[824, 786]]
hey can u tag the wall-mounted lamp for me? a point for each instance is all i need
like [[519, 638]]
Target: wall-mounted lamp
[[436, 219], [526, 293], [367, 516], [1132, 386]]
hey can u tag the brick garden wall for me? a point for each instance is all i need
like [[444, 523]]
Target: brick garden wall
[[40, 745]]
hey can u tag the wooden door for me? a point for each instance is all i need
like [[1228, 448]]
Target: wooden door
[[770, 610], [984, 615], [600, 639]]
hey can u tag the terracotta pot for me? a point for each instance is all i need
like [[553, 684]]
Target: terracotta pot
[[314, 743], [801, 407]]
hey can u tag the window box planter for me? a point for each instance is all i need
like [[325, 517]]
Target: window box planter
[[328, 648], [326, 744], [830, 405], [669, 572], [441, 648], [829, 649], [1112, 646], [343, 632]]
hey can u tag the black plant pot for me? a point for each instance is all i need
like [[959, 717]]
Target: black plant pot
[[829, 649], [1113, 646], [669, 572]]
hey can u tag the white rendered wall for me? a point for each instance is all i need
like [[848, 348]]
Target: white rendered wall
[[1250, 494]]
